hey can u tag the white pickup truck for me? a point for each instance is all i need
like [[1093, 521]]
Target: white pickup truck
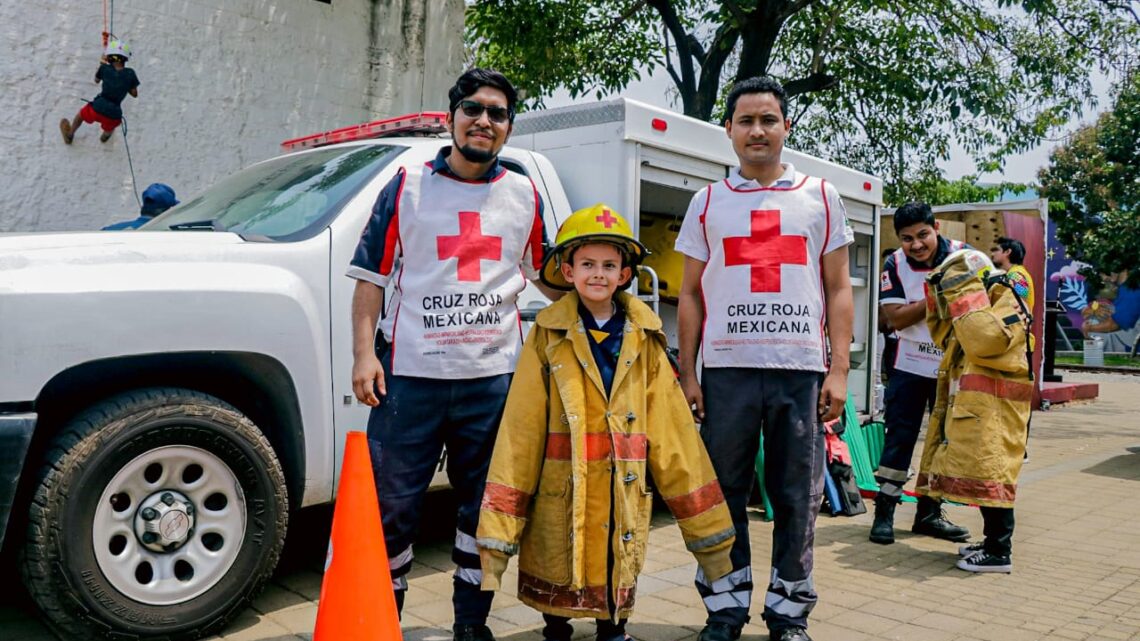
[[169, 396]]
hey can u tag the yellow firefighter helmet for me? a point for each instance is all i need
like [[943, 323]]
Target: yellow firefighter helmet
[[596, 224]]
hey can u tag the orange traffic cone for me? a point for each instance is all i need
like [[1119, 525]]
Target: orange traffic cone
[[357, 602]]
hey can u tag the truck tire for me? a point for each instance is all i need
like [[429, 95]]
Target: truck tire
[[159, 514]]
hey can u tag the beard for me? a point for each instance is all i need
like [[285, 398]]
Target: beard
[[471, 154]]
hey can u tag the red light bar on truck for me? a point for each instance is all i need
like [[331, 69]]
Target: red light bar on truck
[[426, 122]]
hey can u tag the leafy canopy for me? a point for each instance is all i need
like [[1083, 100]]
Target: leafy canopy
[[885, 86], [1093, 186]]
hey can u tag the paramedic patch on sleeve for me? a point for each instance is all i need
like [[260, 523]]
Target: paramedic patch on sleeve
[[884, 281]]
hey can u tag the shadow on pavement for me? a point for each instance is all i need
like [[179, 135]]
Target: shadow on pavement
[[1122, 466], [853, 550]]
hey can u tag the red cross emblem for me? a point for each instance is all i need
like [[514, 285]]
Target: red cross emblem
[[606, 219], [765, 251], [470, 246]]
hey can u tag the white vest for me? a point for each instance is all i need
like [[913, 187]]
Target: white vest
[[762, 285], [917, 353], [462, 244]]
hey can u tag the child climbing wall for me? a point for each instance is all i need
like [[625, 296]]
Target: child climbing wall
[[118, 80]]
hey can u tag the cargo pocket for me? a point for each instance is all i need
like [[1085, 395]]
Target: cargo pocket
[[546, 548]]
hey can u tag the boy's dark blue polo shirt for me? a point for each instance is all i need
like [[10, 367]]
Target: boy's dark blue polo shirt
[[605, 341]]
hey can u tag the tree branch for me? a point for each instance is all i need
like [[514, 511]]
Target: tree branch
[[719, 50], [825, 33], [1121, 6], [794, 8], [688, 81], [669, 60], [737, 13], [628, 13], [815, 82], [697, 50]]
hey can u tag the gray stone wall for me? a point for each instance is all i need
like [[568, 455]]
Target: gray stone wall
[[223, 83]]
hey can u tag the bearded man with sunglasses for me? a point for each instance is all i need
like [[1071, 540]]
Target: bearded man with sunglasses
[[455, 239]]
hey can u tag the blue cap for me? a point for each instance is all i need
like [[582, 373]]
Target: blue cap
[[158, 197]]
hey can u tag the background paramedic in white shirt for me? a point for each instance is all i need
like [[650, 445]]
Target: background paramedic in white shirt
[[914, 373], [456, 240], [766, 269]]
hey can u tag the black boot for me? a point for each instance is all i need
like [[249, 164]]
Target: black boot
[[931, 521], [883, 530]]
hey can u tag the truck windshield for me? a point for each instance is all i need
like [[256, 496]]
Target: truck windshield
[[283, 199]]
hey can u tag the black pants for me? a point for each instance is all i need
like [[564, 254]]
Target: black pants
[[739, 403], [406, 435], [998, 528], [559, 629], [909, 396]]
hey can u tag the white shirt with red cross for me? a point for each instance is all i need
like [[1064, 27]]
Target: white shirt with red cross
[[459, 252], [762, 283]]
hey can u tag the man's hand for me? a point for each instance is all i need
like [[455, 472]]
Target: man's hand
[[832, 396], [367, 375], [693, 395]]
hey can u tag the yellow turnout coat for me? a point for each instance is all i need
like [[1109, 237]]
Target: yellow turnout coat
[[567, 482], [976, 438]]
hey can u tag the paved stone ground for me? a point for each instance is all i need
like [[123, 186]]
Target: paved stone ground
[[1076, 561]]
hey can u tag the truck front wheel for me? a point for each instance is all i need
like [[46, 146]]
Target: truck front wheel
[[159, 514]]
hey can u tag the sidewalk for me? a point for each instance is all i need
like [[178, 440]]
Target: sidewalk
[[1076, 562]]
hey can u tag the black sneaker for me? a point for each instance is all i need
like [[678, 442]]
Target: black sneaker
[[719, 632], [793, 633], [971, 549], [468, 632], [983, 561]]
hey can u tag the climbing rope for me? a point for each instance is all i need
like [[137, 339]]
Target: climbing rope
[[108, 31], [131, 164]]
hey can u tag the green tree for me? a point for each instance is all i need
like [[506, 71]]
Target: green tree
[[932, 188], [1093, 186], [881, 85]]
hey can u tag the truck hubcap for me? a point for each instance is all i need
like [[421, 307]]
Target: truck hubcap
[[165, 522], [169, 525]]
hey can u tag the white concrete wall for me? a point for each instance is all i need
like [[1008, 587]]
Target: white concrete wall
[[223, 83]]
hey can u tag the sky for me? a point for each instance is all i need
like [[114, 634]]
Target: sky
[[1022, 168]]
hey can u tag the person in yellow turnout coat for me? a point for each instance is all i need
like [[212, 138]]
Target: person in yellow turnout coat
[[594, 409], [976, 437]]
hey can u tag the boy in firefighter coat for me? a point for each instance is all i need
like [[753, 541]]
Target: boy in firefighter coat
[[594, 408], [976, 437]]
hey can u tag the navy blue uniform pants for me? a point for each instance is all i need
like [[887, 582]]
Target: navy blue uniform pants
[[739, 403], [406, 435], [908, 397]]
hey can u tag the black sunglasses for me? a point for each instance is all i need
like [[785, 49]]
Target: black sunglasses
[[496, 114]]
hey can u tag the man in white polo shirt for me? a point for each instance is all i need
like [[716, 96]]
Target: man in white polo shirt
[[914, 373], [456, 240], [765, 273]]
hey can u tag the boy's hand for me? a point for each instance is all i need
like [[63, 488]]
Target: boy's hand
[[103, 59], [693, 395]]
